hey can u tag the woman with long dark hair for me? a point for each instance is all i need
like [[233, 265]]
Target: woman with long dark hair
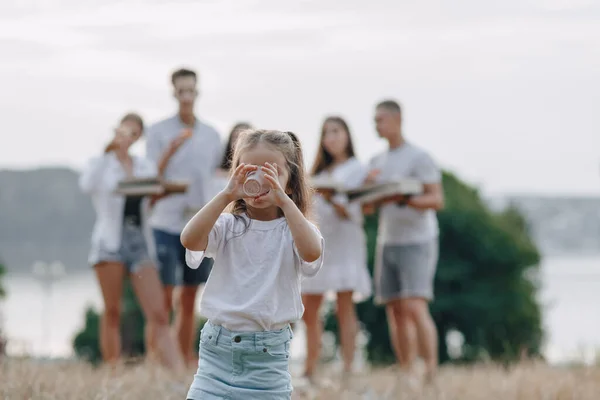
[[119, 245], [344, 270], [233, 137], [221, 178]]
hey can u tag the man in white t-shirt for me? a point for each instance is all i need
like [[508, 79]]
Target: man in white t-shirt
[[407, 242], [184, 148]]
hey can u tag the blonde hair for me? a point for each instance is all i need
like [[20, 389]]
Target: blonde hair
[[298, 188]]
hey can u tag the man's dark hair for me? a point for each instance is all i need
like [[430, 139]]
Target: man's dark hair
[[182, 72], [390, 105]]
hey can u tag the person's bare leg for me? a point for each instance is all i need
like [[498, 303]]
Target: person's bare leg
[[146, 284], [168, 299], [314, 331], [426, 333], [405, 332], [110, 277], [184, 321], [348, 326], [393, 332], [148, 333], [149, 342]]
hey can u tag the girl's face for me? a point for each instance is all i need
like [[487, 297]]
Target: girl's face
[[335, 139], [259, 155]]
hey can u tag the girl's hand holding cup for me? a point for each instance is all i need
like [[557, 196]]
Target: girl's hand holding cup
[[276, 194], [235, 187]]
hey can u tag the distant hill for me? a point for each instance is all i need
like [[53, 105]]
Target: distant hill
[[44, 216]]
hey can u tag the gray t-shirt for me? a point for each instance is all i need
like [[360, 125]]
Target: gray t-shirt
[[196, 160], [406, 225]]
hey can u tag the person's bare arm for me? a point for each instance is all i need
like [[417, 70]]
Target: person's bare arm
[[195, 234], [306, 239], [432, 198], [90, 178], [340, 209], [175, 144]]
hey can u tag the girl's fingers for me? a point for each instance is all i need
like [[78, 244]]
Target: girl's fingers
[[239, 169], [270, 169], [274, 182], [242, 170]]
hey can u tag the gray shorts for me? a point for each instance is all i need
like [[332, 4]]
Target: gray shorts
[[403, 271], [133, 252]]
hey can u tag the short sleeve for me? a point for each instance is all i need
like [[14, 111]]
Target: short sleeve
[[309, 269], [426, 170], [215, 243], [153, 145], [218, 152]]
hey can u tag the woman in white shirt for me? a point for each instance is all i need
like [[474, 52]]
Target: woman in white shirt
[[119, 244], [345, 265]]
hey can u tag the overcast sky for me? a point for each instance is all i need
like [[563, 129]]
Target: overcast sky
[[505, 94]]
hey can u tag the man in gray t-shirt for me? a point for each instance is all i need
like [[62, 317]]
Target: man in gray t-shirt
[[184, 148], [407, 241]]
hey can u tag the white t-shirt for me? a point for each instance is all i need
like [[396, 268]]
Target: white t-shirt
[[406, 225], [195, 161], [254, 284]]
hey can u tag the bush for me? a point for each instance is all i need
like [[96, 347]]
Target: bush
[[87, 342]]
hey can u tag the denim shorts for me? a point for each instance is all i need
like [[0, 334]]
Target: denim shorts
[[133, 251], [242, 365], [170, 255]]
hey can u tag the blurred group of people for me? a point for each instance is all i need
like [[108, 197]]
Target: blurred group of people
[[141, 236]]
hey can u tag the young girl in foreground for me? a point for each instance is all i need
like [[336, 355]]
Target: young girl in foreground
[[261, 247]]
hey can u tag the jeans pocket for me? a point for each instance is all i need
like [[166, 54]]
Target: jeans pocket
[[281, 351]]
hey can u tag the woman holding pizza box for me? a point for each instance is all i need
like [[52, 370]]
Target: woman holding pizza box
[[344, 270], [119, 245]]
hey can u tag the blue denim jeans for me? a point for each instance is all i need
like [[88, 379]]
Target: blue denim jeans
[[242, 365], [172, 267], [133, 252]]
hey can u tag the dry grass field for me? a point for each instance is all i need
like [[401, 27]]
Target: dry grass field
[[23, 380]]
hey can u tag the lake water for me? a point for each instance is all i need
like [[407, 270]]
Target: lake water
[[41, 324]]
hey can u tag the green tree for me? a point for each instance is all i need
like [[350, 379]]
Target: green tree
[[485, 285]]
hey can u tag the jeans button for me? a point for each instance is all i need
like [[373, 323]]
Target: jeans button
[[237, 339], [264, 350]]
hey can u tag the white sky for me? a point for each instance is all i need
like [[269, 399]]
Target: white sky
[[503, 93]]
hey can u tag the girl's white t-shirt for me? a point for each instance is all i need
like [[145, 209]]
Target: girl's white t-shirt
[[255, 281]]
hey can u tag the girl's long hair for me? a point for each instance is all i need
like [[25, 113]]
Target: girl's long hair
[[323, 158], [228, 153]]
